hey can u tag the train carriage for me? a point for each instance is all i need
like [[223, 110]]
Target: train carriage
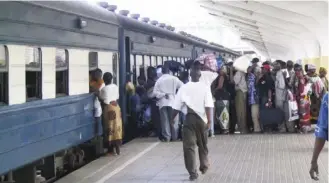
[[47, 50]]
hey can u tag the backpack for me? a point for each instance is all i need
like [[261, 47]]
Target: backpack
[[221, 94]]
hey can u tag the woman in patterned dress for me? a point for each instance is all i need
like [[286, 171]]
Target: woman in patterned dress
[[112, 113], [316, 91], [302, 99]]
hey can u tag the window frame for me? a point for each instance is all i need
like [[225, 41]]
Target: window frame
[[5, 70], [63, 69], [38, 72]]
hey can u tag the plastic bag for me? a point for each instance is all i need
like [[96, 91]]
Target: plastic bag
[[293, 110], [147, 115]]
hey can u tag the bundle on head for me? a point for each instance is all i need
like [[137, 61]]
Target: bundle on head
[[208, 62]]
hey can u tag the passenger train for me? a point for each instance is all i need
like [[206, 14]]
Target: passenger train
[[47, 51]]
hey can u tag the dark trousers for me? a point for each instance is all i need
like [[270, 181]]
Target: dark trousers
[[195, 133], [233, 121], [155, 116]]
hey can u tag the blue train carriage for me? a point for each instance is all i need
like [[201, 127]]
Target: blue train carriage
[[46, 52], [147, 43]]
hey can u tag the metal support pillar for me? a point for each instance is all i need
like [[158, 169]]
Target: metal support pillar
[[122, 75]]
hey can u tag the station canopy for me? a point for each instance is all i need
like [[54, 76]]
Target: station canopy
[[273, 29]]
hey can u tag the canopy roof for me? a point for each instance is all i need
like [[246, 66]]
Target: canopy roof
[[276, 29]]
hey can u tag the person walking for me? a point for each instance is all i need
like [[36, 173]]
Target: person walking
[[321, 133], [195, 100]]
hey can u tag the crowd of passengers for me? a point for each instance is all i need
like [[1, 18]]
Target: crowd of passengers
[[244, 101]]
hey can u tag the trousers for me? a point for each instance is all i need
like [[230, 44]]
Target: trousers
[[286, 125], [241, 110], [168, 131], [195, 133]]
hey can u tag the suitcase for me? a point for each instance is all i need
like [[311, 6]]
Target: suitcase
[[271, 116]]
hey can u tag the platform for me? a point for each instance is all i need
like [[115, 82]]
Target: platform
[[267, 158]]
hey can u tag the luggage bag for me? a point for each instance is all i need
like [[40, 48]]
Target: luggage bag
[[271, 116]]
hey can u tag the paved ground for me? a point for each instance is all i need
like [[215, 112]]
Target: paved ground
[[234, 158]]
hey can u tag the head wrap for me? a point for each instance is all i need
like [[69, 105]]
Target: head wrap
[[322, 69], [130, 87], [311, 67], [266, 67]]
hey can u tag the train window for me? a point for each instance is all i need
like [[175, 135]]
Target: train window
[[115, 68], [154, 61], [146, 61], [159, 60], [93, 61], [62, 72], [3, 75], [33, 73], [139, 63]]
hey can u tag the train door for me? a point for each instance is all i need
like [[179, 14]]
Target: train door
[[128, 64]]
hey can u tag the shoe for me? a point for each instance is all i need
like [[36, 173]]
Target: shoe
[[283, 130], [165, 140], [204, 171], [193, 177]]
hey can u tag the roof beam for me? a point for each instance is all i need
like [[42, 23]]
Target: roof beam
[[263, 8]]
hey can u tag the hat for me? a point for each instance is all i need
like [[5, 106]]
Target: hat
[[254, 60]]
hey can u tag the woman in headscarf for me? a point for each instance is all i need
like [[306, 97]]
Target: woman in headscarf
[[134, 109], [323, 76], [112, 113], [316, 90], [303, 101]]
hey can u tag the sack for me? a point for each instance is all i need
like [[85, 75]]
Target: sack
[[271, 116], [293, 110]]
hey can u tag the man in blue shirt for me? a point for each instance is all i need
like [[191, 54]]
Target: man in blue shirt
[[321, 133]]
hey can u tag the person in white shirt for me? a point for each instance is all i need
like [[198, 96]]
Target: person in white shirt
[[207, 77], [195, 100], [165, 90], [241, 100], [112, 113]]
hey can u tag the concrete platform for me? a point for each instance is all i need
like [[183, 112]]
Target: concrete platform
[[268, 158]]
